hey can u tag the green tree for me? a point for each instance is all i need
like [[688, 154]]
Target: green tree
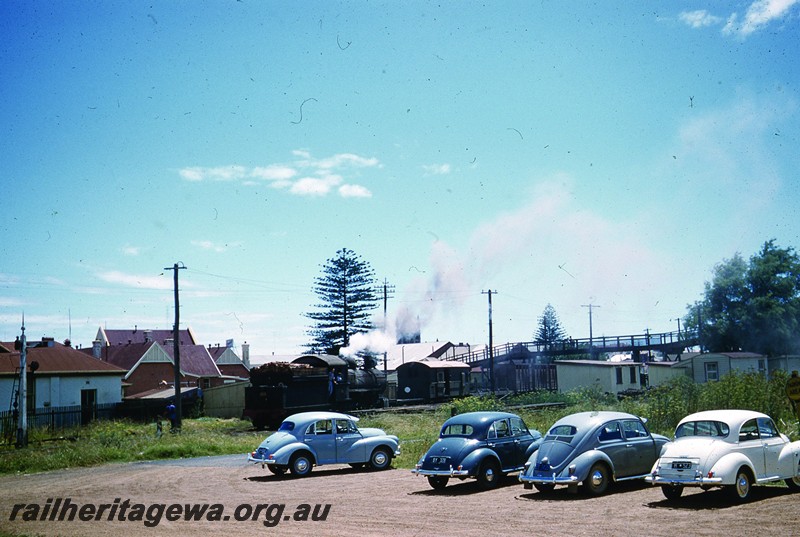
[[753, 306], [346, 292], [550, 330]]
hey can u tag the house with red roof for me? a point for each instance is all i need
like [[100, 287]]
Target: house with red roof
[[148, 356], [59, 376]]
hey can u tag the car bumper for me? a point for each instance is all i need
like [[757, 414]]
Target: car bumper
[[262, 462], [698, 481], [550, 480], [452, 472]]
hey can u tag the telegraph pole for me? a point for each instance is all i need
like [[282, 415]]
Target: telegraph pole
[[491, 341], [590, 306], [22, 430], [386, 290], [176, 346]]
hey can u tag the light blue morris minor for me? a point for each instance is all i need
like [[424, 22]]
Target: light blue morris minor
[[733, 449], [593, 449], [311, 439]]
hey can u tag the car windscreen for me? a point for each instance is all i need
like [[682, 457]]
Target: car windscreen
[[286, 426], [562, 433], [457, 429], [702, 428]]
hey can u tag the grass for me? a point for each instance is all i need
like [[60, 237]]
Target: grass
[[124, 441]]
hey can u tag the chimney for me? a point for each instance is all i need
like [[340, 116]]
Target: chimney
[[246, 354], [96, 348], [147, 336]]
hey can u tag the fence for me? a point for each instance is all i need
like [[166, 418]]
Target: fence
[[53, 418]]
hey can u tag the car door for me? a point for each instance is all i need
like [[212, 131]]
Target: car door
[[347, 448], [640, 447], [611, 441], [319, 436], [773, 445], [499, 439], [750, 445]]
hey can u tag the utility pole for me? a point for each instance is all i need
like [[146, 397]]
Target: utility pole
[[386, 290], [22, 430], [590, 306], [176, 346], [679, 327], [491, 341]]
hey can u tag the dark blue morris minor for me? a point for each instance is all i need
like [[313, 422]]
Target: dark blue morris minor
[[593, 449], [480, 445], [311, 439]]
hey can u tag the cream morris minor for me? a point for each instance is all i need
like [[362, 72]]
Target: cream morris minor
[[733, 449], [314, 438]]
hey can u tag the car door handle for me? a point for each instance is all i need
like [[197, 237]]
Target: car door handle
[[628, 445]]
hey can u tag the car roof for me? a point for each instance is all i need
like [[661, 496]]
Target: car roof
[[590, 419], [479, 418], [733, 417], [306, 417]]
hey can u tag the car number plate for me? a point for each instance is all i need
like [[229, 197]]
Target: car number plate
[[439, 460], [681, 465]]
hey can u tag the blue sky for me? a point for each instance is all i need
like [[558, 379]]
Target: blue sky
[[564, 153]]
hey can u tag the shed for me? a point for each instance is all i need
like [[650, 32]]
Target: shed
[[432, 380]]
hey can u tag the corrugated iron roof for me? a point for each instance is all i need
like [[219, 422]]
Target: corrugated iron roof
[[56, 358]]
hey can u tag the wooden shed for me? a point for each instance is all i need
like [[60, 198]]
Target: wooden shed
[[432, 380]]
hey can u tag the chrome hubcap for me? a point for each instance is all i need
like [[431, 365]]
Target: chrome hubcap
[[301, 465], [597, 479], [380, 458]]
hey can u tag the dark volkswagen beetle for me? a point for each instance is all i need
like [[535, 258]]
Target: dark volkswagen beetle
[[593, 449], [482, 445]]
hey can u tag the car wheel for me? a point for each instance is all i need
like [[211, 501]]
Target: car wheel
[[438, 482], [596, 482], [672, 492], [301, 464], [740, 490], [277, 470], [544, 487], [793, 483], [380, 459], [489, 474]]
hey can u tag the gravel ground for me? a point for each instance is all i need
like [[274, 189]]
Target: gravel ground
[[392, 503]]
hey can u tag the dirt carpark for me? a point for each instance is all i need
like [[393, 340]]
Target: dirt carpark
[[392, 503]]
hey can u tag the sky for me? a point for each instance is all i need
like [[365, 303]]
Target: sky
[[566, 153]]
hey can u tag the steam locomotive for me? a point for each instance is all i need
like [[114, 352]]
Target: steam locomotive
[[311, 382]]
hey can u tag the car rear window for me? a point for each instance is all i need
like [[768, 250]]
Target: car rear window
[[286, 426], [702, 428], [457, 429], [562, 433]]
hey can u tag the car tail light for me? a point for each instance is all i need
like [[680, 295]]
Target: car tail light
[[710, 474]]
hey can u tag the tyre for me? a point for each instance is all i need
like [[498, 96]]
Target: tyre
[[277, 470], [740, 490], [793, 483], [544, 487], [438, 482], [489, 474], [301, 464], [380, 459], [672, 492], [597, 481]]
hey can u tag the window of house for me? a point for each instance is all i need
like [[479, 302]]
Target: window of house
[[619, 375], [632, 371], [712, 371]]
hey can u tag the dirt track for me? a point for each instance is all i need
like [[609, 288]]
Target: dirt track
[[392, 503]]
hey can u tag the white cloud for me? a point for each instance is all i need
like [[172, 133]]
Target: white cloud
[[136, 280], [699, 18], [214, 247], [354, 191], [220, 173], [319, 179], [131, 250], [759, 14], [273, 172], [436, 169]]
